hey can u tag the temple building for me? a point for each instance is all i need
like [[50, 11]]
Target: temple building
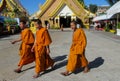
[[12, 9], [61, 12]]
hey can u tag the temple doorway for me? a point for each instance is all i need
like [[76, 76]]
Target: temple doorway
[[65, 21]]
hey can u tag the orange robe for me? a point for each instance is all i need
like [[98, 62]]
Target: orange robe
[[77, 57], [25, 49], [43, 60]]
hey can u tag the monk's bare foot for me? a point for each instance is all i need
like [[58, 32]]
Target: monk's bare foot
[[17, 70], [52, 67], [36, 76], [65, 73], [86, 70]]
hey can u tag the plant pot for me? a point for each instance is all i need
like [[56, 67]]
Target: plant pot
[[118, 32]]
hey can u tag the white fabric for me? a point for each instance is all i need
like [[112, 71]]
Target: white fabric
[[114, 9], [110, 12], [102, 17]]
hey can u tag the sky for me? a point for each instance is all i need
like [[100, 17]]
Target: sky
[[97, 2], [33, 5]]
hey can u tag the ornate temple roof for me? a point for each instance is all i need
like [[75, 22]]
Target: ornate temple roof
[[53, 7], [12, 5]]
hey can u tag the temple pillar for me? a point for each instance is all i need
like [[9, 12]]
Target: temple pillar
[[57, 22], [73, 17]]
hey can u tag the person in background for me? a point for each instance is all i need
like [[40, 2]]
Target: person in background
[[62, 26]]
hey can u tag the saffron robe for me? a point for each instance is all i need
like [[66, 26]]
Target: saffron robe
[[26, 56], [77, 57], [43, 60]]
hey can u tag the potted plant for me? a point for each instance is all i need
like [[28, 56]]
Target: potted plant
[[118, 29], [107, 29]]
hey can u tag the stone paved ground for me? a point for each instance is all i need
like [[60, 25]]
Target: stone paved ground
[[102, 52]]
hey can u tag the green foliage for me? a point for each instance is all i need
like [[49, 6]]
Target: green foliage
[[118, 26], [16, 10], [112, 2], [107, 29], [82, 2], [93, 8], [86, 7]]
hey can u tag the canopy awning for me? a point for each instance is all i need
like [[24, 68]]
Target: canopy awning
[[114, 9], [102, 17], [109, 13]]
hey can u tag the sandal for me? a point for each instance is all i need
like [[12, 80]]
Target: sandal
[[86, 71], [36, 76], [17, 71], [65, 73], [52, 67]]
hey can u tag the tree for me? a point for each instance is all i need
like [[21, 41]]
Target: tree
[[93, 8], [112, 2], [82, 2], [86, 7]]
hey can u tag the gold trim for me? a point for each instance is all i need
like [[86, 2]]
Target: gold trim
[[45, 6], [78, 13], [11, 5], [81, 13], [8, 3], [78, 3], [55, 11]]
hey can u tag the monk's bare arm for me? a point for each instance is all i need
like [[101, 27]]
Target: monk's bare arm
[[32, 50], [48, 49], [18, 40]]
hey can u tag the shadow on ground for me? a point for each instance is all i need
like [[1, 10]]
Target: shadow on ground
[[61, 64], [28, 68], [93, 64], [4, 36], [58, 65], [96, 63], [59, 58]]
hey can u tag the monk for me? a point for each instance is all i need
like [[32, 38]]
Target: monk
[[77, 57], [27, 39], [42, 49]]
